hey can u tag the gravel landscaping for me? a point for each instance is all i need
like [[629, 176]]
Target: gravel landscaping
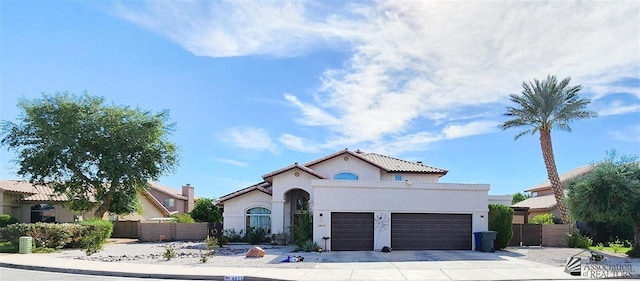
[[190, 253]]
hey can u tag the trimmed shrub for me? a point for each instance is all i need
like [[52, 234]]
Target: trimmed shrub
[[542, 219], [13, 232], [575, 240], [94, 235], [50, 235], [257, 235], [634, 252], [182, 218], [234, 236], [7, 220], [500, 219]]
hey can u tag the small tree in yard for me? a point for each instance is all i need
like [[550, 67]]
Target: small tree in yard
[[206, 211], [519, 197], [500, 219], [609, 194], [99, 155]]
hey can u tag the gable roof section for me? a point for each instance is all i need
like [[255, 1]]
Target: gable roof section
[[291, 167], [156, 203], [539, 202], [574, 173], [14, 186], [395, 165], [264, 187], [167, 190]]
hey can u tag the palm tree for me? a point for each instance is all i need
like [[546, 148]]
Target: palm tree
[[542, 106]]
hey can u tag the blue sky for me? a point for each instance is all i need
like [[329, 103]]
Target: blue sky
[[254, 86]]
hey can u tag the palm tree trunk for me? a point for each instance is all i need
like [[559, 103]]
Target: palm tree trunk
[[552, 172]]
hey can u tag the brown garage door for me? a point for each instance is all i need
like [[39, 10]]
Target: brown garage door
[[351, 231], [431, 231]]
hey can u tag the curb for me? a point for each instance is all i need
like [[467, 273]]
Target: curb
[[129, 274]]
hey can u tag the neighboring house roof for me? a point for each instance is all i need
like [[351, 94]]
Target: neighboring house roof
[[41, 193], [539, 202], [156, 203], [23, 187], [264, 187], [32, 192], [45, 193], [563, 178], [167, 190]]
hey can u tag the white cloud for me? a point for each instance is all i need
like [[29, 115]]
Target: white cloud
[[630, 134], [249, 138], [414, 62], [233, 162], [298, 144], [618, 107], [470, 129]]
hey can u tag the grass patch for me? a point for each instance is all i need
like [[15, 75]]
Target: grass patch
[[620, 250], [8, 247]]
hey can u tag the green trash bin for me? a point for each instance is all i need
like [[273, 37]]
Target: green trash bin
[[26, 243], [487, 238]]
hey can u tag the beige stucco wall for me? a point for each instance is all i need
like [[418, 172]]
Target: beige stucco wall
[[384, 198], [149, 211], [501, 199], [9, 204], [235, 209], [433, 178], [62, 214]]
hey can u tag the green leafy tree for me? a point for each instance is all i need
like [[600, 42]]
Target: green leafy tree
[[98, 155], [519, 197], [542, 106], [206, 211], [609, 194], [542, 219]]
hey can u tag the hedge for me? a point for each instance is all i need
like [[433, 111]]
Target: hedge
[[7, 220], [88, 235], [500, 220]]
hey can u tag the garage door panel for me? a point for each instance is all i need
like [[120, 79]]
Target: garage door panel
[[351, 231], [418, 231]]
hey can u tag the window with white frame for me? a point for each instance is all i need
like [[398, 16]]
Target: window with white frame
[[258, 217]]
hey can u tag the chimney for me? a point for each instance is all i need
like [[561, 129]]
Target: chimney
[[187, 191]]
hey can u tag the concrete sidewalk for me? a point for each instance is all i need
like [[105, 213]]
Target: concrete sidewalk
[[504, 268]]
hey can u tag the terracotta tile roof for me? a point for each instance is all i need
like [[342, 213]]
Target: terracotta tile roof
[[563, 178], [45, 193], [539, 202], [24, 187], [391, 164], [264, 187]]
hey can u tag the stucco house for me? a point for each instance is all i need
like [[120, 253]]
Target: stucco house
[[34, 203], [364, 201], [542, 200]]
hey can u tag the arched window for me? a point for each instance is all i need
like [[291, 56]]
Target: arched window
[[259, 217], [345, 176], [43, 213]]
